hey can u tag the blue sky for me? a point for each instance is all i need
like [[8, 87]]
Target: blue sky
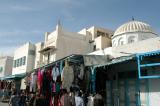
[[28, 20]]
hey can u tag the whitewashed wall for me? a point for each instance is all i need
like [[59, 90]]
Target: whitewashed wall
[[6, 63], [30, 60]]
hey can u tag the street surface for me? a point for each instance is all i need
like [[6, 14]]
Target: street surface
[[4, 104]]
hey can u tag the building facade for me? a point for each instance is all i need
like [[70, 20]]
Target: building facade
[[38, 56], [6, 63], [58, 44], [24, 59], [61, 43], [131, 38], [126, 84]]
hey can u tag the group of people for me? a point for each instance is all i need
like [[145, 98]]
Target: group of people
[[18, 99], [64, 98]]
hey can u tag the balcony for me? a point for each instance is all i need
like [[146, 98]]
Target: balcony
[[47, 49]]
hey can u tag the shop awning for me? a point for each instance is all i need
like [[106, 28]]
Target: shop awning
[[14, 77], [118, 60]]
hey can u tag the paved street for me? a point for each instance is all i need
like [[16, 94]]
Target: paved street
[[4, 104]]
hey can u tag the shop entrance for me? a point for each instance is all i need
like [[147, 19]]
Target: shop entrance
[[128, 92]]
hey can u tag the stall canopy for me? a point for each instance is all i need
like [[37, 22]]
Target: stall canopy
[[88, 60], [14, 77], [118, 60]]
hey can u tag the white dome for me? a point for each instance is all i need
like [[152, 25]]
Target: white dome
[[133, 26]]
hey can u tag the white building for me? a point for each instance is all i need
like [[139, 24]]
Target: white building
[[58, 44], [61, 43], [24, 59], [38, 56], [131, 38], [6, 63]]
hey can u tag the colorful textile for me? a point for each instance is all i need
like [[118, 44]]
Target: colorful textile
[[58, 87], [33, 82], [68, 77], [39, 82], [55, 73]]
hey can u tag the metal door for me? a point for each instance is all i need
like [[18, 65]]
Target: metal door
[[130, 92]]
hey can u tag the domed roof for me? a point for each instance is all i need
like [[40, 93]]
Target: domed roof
[[133, 26]]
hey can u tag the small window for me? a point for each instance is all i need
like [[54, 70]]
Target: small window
[[1, 69], [24, 60], [131, 39], [20, 62], [17, 62], [120, 41], [14, 63]]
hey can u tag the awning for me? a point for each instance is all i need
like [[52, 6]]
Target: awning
[[14, 77], [118, 60], [47, 49], [92, 60]]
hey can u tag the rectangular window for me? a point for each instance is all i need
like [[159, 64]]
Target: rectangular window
[[1, 69], [20, 62], [24, 60], [14, 63], [17, 62]]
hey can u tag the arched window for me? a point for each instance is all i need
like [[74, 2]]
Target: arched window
[[131, 39], [120, 41]]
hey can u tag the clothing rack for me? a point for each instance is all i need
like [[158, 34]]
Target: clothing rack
[[74, 58]]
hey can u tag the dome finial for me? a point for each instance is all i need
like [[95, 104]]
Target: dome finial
[[132, 18]]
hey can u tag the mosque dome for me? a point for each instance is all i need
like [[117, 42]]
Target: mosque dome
[[133, 26]]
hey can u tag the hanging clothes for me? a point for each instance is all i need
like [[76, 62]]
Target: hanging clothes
[[58, 87], [40, 77], [86, 80], [55, 73], [53, 85], [33, 82], [46, 88], [67, 76], [81, 74], [76, 72], [56, 100]]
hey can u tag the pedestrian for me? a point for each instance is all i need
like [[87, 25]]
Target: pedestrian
[[14, 100], [32, 100], [71, 99], [98, 100], [78, 99], [90, 100], [66, 99], [22, 101]]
